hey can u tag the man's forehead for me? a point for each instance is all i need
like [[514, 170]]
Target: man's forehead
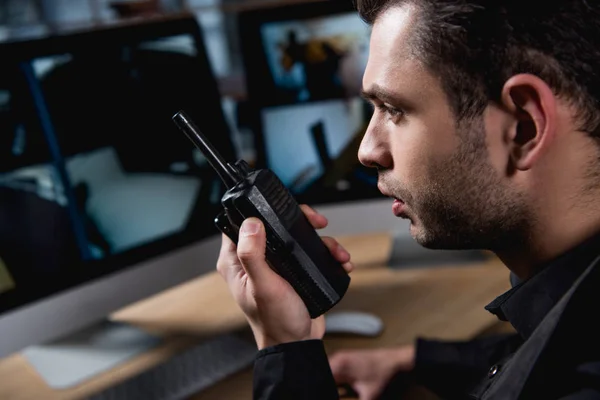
[[390, 46], [394, 29]]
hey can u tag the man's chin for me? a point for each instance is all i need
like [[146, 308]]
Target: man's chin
[[432, 241], [419, 236], [428, 239]]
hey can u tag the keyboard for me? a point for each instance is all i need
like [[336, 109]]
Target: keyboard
[[187, 373]]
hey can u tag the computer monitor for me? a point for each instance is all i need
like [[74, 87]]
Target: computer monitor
[[304, 65], [102, 200]]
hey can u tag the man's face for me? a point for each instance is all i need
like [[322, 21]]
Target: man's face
[[441, 175]]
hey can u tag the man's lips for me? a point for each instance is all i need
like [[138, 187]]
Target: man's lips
[[398, 208], [398, 205]]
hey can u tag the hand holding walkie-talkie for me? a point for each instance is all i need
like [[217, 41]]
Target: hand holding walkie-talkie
[[294, 249]]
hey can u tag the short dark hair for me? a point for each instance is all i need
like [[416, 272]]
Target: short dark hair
[[475, 46]]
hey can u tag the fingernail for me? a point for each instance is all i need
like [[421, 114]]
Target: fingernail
[[250, 228]]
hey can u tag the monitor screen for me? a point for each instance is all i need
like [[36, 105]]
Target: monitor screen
[[313, 148], [94, 176], [315, 58], [304, 67]]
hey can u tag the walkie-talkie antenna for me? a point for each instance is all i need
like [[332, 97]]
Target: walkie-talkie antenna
[[225, 172]]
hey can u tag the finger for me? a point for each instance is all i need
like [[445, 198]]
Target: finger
[[251, 251], [228, 264], [339, 368], [348, 267], [317, 220], [339, 253], [366, 391], [336, 249]]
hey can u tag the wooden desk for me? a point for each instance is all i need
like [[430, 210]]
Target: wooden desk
[[443, 302]]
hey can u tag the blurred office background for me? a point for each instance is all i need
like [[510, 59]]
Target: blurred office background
[[217, 19]]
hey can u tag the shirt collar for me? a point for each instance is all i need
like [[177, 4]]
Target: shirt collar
[[526, 304]]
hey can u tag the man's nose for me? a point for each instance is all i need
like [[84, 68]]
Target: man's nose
[[374, 151]]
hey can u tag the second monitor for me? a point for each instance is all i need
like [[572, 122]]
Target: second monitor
[[304, 67]]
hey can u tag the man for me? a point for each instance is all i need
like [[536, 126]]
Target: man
[[486, 134]]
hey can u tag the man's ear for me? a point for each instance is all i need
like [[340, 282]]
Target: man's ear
[[533, 105]]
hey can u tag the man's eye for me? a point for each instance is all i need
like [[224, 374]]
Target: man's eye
[[390, 111]]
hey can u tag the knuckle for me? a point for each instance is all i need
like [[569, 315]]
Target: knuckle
[[226, 259], [337, 360], [329, 241], [220, 265], [247, 253]]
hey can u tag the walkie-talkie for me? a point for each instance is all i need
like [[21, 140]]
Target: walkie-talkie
[[294, 249]]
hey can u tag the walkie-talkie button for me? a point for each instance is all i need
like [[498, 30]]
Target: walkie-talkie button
[[274, 245], [270, 245]]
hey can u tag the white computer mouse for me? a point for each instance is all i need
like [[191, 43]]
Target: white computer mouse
[[353, 323]]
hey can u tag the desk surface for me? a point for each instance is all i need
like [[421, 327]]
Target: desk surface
[[444, 302]]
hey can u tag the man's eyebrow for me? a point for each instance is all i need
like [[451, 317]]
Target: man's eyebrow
[[367, 95], [376, 92]]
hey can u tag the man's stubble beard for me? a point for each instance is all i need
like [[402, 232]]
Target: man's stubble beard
[[463, 203]]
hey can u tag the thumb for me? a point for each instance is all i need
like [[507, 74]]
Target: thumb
[[251, 250]]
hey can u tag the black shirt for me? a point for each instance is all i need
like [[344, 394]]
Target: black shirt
[[555, 353]]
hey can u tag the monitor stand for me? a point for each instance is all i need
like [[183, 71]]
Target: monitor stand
[[78, 357]]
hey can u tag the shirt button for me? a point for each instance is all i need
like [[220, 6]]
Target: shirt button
[[493, 371]]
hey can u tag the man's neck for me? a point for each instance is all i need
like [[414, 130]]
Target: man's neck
[[553, 234]]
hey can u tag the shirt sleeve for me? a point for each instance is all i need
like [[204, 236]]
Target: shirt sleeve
[[294, 371], [450, 369]]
